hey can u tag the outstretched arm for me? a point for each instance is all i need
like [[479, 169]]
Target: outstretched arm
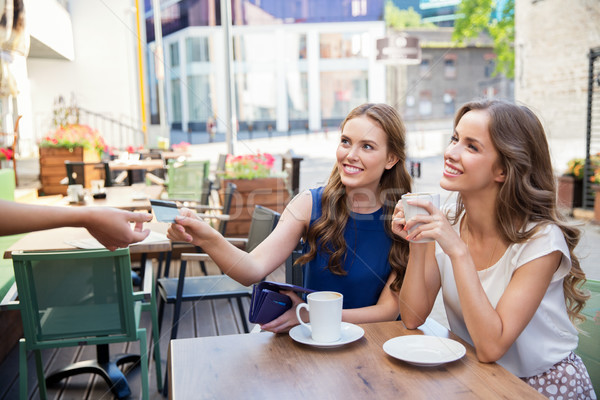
[[109, 226], [247, 268]]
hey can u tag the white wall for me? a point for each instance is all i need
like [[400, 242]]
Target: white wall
[[553, 39], [103, 75]]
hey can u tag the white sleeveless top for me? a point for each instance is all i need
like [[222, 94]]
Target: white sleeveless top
[[550, 336]]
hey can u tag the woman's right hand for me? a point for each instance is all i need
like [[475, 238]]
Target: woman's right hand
[[188, 228], [399, 221]]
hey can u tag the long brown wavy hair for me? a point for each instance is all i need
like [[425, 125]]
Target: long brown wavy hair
[[327, 233], [528, 195]]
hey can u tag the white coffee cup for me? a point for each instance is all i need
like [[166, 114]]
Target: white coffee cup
[[325, 313], [76, 193], [410, 211]]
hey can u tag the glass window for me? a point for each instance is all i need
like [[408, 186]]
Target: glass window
[[343, 45], [199, 97], [450, 68], [176, 100], [341, 91], [196, 49], [174, 54], [297, 89], [256, 96], [490, 67], [449, 102], [254, 47], [425, 68], [425, 106]]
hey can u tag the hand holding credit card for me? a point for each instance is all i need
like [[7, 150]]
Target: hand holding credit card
[[164, 211]]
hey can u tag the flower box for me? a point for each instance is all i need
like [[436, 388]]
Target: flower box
[[570, 192], [268, 192], [53, 170]]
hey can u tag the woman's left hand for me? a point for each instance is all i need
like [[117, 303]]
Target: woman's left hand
[[287, 320]]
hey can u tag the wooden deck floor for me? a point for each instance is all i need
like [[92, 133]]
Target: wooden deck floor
[[200, 318]]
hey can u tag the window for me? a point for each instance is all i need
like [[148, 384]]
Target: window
[[425, 68], [490, 64], [341, 91], [425, 106], [449, 102], [450, 66], [174, 54], [176, 100], [196, 49], [344, 45]]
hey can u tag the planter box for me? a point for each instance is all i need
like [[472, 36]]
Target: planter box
[[570, 192], [596, 203], [52, 167], [268, 192]]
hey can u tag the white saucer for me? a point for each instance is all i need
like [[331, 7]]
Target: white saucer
[[424, 351], [350, 333]]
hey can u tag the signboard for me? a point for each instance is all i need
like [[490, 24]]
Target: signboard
[[400, 49]]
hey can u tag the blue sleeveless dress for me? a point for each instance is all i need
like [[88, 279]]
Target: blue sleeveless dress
[[366, 261]]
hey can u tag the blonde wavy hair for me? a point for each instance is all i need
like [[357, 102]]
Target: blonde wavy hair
[[327, 233], [528, 195]]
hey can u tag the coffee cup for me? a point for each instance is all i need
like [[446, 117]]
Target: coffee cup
[[76, 193], [325, 313], [412, 210], [97, 186]]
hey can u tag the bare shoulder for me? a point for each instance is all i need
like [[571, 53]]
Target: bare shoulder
[[299, 208]]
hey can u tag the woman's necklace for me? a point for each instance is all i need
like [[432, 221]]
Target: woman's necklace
[[489, 264]]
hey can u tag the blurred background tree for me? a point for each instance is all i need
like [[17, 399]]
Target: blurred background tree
[[497, 18]]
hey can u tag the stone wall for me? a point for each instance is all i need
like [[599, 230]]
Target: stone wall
[[553, 39]]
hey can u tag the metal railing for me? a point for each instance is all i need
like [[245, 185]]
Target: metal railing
[[592, 145], [117, 133]]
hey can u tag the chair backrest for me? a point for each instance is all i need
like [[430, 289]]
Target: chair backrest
[[263, 222], [186, 179], [7, 184], [227, 200], [83, 173], [75, 297], [294, 274], [589, 338], [220, 170]]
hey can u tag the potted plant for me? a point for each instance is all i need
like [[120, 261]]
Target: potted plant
[[595, 180], [257, 183], [570, 184]]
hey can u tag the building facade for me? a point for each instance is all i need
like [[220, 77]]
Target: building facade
[[296, 65], [552, 44]]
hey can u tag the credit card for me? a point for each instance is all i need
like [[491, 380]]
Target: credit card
[[164, 211]]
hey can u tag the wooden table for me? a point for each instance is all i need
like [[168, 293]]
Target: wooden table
[[267, 366], [55, 239], [133, 198], [135, 165]]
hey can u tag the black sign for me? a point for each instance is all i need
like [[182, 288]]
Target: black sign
[[399, 49]]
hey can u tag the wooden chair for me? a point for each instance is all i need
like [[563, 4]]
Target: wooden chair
[[83, 173], [589, 336], [83, 297]]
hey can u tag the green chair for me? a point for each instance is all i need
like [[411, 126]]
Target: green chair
[[188, 180], [7, 184], [589, 338], [83, 297]]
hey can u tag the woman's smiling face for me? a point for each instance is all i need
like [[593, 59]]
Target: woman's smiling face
[[471, 160], [362, 154]]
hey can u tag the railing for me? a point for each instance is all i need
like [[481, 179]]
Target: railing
[[116, 133], [593, 125]]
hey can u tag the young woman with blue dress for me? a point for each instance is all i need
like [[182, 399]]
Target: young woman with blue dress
[[345, 226]]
